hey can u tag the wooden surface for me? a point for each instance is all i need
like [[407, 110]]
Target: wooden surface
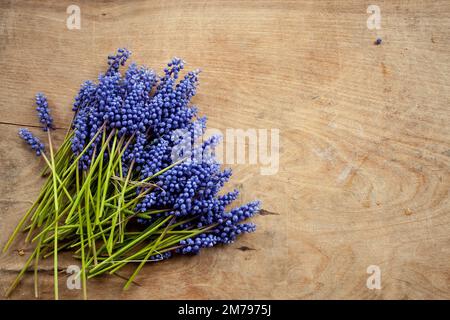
[[365, 147]]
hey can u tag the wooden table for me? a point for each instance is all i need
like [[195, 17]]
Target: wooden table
[[364, 137]]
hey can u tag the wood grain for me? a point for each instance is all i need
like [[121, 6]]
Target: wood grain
[[365, 147]]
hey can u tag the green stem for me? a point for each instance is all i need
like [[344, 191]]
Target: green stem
[[20, 275], [130, 280], [80, 219], [55, 240], [139, 239]]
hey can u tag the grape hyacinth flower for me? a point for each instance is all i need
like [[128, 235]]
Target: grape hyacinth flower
[[84, 96], [43, 112], [148, 110], [134, 153], [33, 141], [115, 61]]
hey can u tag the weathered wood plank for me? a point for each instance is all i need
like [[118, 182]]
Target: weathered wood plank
[[364, 160]]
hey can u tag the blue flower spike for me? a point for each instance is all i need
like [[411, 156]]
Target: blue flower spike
[[33, 141], [43, 110]]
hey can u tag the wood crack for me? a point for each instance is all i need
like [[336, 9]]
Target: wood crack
[[6, 123]]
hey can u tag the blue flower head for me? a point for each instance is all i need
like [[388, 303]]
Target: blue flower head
[[33, 141], [155, 115], [117, 60], [43, 112]]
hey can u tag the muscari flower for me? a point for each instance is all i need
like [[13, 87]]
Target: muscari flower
[[148, 109], [43, 112], [33, 141]]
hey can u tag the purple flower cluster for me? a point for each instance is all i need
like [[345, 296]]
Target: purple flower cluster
[[43, 111], [33, 141], [227, 226], [46, 121], [148, 112], [115, 61]]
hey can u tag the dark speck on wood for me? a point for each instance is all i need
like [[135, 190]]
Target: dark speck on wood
[[245, 248], [264, 212]]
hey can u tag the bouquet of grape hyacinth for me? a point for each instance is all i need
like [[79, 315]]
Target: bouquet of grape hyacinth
[[122, 188]]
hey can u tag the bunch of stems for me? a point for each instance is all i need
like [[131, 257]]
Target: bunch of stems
[[88, 212]]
